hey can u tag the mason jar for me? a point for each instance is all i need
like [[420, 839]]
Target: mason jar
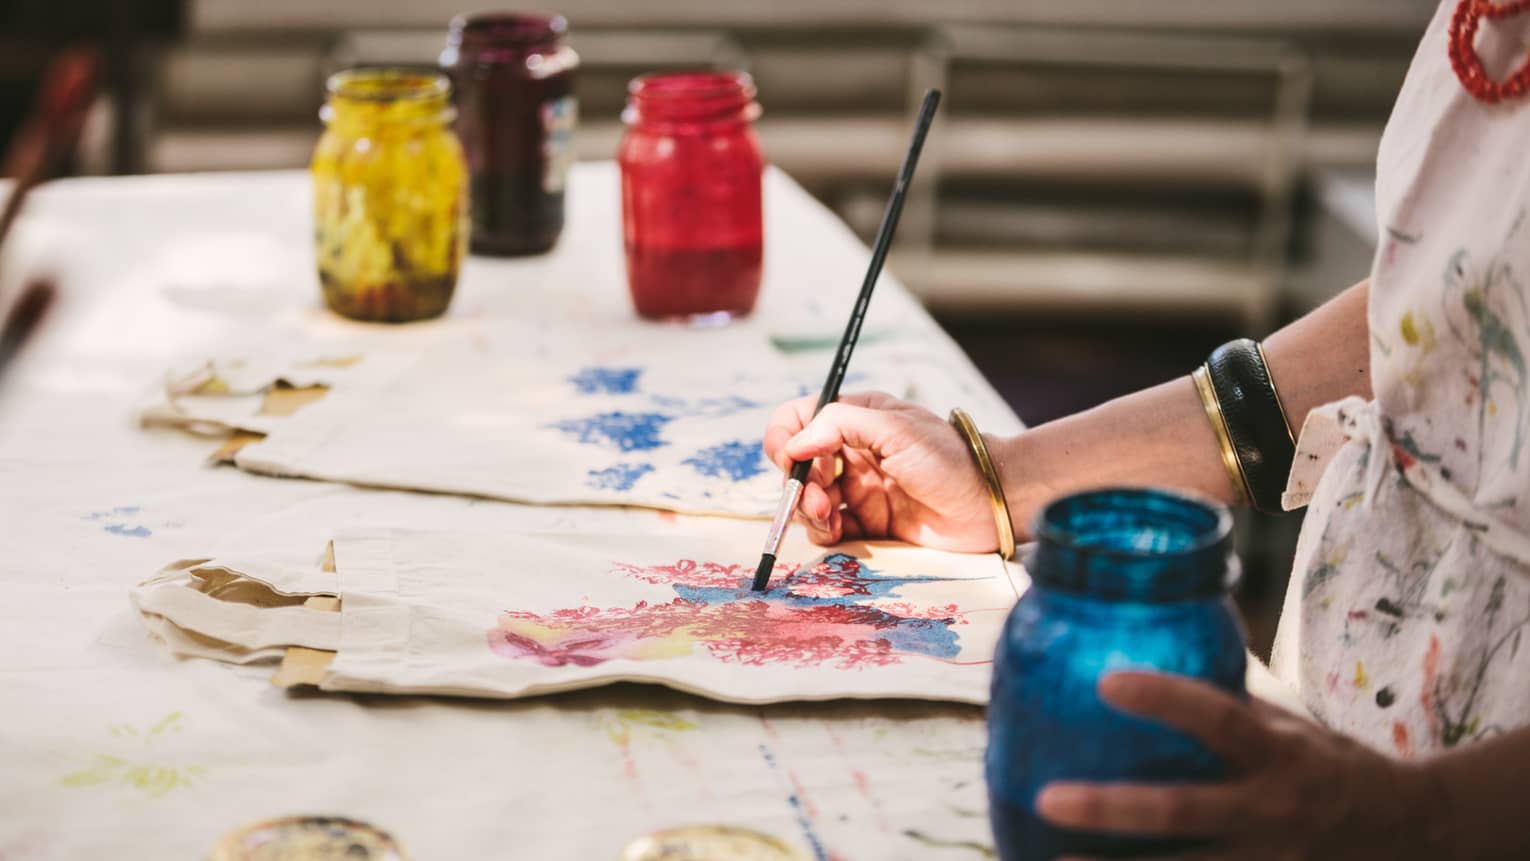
[[389, 195], [514, 79], [692, 217], [1120, 580]]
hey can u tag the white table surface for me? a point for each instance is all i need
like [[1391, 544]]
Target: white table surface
[[110, 748]]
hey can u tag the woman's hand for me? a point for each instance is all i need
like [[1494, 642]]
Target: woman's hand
[[907, 473], [1298, 790]]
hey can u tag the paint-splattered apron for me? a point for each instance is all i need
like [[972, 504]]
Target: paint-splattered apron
[[1407, 622]]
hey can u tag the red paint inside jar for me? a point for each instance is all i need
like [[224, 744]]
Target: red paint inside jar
[[691, 196]]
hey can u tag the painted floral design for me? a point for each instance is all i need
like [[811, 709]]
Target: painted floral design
[[620, 430], [606, 381], [620, 476], [820, 615], [736, 460]]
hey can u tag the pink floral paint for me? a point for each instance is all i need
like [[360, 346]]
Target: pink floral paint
[[825, 615]]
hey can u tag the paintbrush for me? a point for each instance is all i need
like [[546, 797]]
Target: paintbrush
[[26, 314], [69, 87], [791, 493]]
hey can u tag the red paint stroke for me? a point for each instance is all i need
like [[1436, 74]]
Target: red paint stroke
[[692, 764], [1431, 676], [688, 572], [1400, 739], [812, 619], [576, 652], [809, 809], [862, 783]]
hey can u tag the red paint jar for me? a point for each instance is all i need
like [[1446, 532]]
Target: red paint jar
[[691, 211], [514, 80]]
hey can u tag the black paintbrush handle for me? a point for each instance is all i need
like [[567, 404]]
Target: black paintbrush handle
[[25, 315], [792, 492], [879, 250]]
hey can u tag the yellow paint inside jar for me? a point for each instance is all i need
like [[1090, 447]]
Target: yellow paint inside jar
[[390, 195]]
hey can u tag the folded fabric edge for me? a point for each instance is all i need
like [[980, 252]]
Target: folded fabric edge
[[184, 643], [173, 595]]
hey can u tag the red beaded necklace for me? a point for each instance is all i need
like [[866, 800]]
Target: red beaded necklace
[[1463, 51]]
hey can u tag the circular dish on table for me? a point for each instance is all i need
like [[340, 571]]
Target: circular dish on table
[[709, 843], [308, 838]]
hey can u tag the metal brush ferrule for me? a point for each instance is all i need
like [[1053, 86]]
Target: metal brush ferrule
[[791, 494]]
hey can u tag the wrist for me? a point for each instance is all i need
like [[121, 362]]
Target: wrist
[[1016, 462], [978, 444]]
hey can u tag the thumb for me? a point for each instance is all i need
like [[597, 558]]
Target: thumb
[[842, 425]]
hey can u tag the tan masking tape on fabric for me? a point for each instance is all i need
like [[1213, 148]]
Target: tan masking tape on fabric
[[303, 666], [281, 400]]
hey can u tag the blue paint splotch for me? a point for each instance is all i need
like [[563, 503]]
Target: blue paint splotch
[[839, 591], [621, 476], [119, 527], [620, 430], [119, 511], [738, 460], [606, 381], [712, 408]]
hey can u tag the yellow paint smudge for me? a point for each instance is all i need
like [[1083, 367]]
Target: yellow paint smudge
[[1360, 680], [656, 719], [152, 779], [1408, 329], [619, 726]]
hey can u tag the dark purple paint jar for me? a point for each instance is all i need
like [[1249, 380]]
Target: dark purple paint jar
[[516, 112]]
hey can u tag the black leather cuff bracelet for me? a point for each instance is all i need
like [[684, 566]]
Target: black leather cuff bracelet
[[1256, 421]]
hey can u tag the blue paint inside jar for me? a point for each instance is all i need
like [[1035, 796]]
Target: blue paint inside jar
[[1120, 580]]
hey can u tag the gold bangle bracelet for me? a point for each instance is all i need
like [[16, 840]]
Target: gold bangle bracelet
[[1213, 409], [1006, 528]]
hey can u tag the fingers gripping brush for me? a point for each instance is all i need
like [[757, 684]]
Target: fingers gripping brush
[[791, 493]]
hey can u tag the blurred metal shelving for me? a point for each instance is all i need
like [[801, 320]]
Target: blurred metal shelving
[[1094, 155]]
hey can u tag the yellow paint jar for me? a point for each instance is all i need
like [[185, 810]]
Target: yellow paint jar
[[389, 195]]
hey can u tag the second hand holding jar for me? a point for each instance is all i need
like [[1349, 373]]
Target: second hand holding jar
[[692, 216], [1120, 580]]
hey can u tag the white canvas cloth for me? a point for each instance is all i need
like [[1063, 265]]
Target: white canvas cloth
[[511, 615], [656, 417], [110, 746]]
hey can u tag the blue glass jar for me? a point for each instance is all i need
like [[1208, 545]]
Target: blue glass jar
[[1120, 579]]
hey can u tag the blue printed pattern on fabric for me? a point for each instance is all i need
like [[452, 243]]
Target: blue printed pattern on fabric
[[738, 460], [606, 381], [621, 476], [620, 430]]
